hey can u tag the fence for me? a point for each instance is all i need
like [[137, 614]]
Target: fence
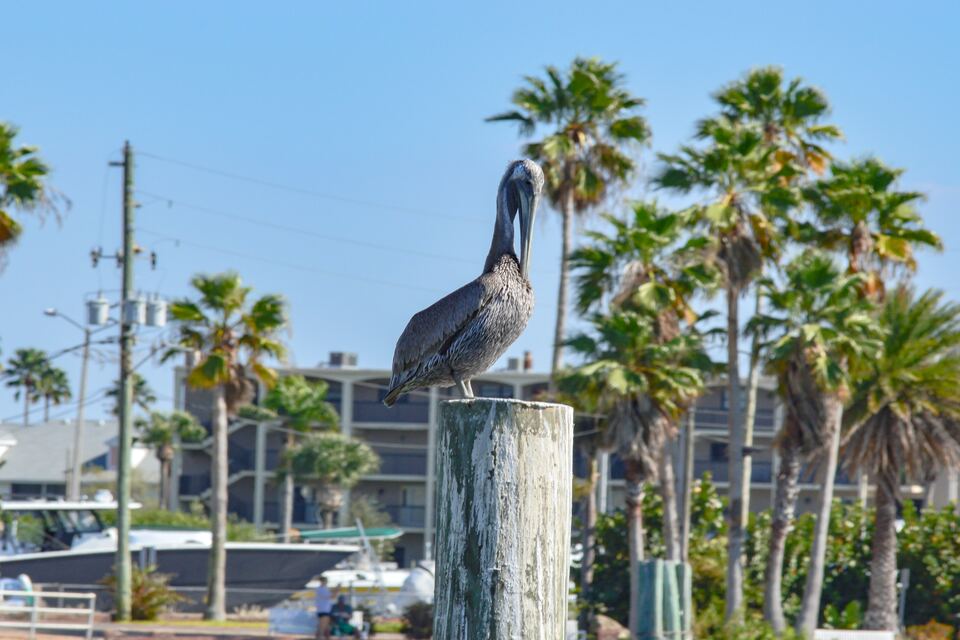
[[34, 607]]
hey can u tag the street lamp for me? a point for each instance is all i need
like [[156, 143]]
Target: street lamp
[[76, 468]]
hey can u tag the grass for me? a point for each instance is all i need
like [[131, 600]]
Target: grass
[[389, 626], [236, 624]]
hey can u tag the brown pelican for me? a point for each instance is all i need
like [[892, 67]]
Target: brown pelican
[[463, 334]]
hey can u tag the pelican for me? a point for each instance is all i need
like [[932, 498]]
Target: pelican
[[463, 334]]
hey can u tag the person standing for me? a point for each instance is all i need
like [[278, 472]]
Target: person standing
[[324, 604]]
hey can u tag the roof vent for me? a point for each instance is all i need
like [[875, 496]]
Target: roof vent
[[514, 364], [343, 360]]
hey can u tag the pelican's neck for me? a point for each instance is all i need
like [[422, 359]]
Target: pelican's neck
[[502, 242]]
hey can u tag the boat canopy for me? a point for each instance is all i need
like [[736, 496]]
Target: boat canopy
[[351, 533], [61, 505]]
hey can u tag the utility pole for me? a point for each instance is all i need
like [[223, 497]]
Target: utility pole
[[127, 319], [76, 469]]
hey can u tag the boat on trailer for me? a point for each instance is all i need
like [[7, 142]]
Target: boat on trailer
[[66, 544]]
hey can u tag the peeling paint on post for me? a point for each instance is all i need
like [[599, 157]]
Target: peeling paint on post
[[504, 498]]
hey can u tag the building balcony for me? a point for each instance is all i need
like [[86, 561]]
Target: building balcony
[[402, 462], [407, 516], [374, 411], [194, 484]]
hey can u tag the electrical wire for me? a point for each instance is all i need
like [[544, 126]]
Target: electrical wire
[[305, 191], [303, 231], [289, 265]]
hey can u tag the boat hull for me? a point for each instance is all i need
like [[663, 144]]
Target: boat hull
[[257, 574]]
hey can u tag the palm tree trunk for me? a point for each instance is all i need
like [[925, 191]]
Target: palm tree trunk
[[26, 407], [216, 574], [749, 417], [784, 504], [736, 533], [882, 598], [163, 498], [589, 533], [560, 328], [810, 605], [46, 408], [668, 491], [288, 487], [634, 487]]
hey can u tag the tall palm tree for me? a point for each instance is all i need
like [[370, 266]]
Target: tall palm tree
[[24, 371], [857, 210], [817, 322], [23, 187], [632, 267], [332, 463], [232, 335], [302, 406], [54, 388], [642, 384], [757, 152], [592, 124], [904, 419], [164, 431]]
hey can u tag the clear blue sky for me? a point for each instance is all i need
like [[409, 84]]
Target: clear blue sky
[[384, 103]]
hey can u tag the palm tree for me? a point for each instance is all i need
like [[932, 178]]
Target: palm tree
[[54, 388], [332, 463], [817, 322], [303, 406], [143, 394], [22, 186], [24, 370], [858, 211], [164, 431], [642, 383], [231, 337], [630, 268], [592, 123], [757, 152], [904, 419]]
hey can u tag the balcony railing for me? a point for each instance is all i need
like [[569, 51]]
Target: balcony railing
[[375, 411], [760, 470], [717, 419], [194, 484], [401, 462], [406, 516]]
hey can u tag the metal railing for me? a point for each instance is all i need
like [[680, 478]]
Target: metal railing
[[401, 462], [406, 516], [34, 607]]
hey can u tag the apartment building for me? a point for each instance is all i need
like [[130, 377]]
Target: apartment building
[[404, 436]]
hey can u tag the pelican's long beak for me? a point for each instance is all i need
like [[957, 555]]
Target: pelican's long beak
[[528, 209]]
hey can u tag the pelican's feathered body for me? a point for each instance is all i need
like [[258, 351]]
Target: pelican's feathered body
[[464, 333]]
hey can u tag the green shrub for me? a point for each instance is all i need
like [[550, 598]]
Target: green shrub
[[237, 530], [418, 621], [150, 592]]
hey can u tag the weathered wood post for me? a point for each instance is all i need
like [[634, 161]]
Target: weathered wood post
[[504, 499]]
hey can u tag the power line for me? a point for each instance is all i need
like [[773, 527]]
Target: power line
[[305, 191], [303, 231], [284, 263]]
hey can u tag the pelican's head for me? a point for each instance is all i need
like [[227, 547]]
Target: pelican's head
[[524, 181]]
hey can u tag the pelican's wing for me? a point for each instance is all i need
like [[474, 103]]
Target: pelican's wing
[[431, 331]]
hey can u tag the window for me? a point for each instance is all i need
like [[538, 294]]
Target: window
[[718, 451]]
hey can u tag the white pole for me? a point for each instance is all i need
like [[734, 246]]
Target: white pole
[[76, 469]]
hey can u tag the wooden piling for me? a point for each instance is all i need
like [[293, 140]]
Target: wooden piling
[[504, 497]]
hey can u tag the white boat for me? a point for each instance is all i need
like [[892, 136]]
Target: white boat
[[66, 544]]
